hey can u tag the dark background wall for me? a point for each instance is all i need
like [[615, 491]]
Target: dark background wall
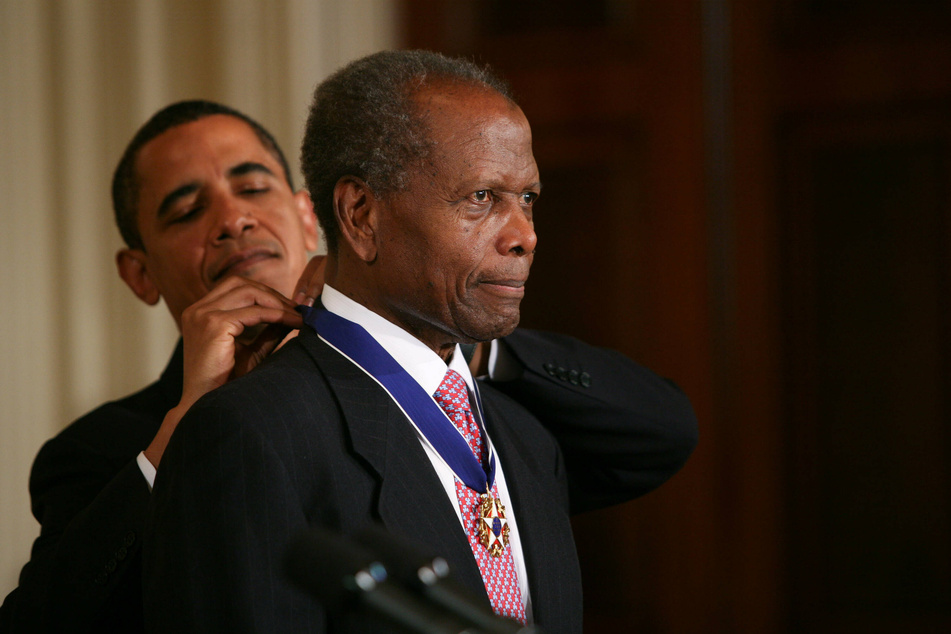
[[753, 198]]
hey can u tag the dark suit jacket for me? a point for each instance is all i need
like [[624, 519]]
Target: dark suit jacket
[[84, 574], [90, 498], [309, 439]]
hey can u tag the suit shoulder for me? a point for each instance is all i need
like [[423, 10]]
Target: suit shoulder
[[283, 374], [287, 391], [115, 431]]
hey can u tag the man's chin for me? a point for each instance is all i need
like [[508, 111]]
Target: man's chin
[[269, 272], [492, 327]]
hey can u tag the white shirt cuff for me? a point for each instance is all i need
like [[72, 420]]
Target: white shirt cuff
[[148, 471]]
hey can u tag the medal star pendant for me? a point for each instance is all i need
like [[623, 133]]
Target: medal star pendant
[[493, 527]]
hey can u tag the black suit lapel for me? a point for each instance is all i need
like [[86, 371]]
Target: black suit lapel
[[412, 502], [544, 527]]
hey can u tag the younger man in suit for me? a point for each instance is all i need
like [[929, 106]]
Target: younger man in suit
[[204, 200]]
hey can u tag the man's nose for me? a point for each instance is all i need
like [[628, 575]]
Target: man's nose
[[233, 219], [518, 236]]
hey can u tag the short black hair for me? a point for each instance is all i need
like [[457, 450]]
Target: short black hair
[[125, 186], [363, 123]]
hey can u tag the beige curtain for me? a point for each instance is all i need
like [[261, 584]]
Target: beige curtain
[[77, 77]]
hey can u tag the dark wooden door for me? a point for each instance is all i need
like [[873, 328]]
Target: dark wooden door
[[751, 197]]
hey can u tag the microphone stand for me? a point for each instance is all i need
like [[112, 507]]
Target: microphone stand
[[391, 580], [341, 575], [429, 576]]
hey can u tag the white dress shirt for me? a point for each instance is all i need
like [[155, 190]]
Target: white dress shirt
[[428, 369]]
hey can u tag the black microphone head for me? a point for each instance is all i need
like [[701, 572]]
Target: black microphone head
[[428, 574], [403, 560], [330, 567]]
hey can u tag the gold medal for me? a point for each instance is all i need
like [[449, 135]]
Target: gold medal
[[493, 527]]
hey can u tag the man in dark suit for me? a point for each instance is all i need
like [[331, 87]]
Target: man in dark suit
[[424, 183], [202, 196]]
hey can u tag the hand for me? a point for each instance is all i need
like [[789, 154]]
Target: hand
[[226, 334], [311, 281]]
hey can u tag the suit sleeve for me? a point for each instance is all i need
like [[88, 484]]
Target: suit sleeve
[[84, 563], [623, 430]]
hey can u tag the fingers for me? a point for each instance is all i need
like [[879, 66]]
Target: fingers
[[311, 281], [235, 291], [240, 324], [217, 329], [235, 305]]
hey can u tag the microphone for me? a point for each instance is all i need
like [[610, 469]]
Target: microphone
[[429, 576], [342, 575]]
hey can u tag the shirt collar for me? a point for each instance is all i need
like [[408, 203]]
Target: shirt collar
[[419, 361]]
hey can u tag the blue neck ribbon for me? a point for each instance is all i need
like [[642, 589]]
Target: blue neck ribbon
[[355, 343]]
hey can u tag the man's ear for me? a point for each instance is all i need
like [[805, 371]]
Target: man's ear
[[305, 209], [133, 271], [357, 211]]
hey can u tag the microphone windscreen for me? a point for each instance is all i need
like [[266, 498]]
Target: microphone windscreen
[[403, 560], [325, 565]]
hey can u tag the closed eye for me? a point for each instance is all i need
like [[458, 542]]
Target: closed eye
[[186, 214]]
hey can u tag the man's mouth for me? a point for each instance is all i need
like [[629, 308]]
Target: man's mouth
[[514, 288], [240, 262]]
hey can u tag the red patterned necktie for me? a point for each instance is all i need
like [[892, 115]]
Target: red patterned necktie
[[498, 573]]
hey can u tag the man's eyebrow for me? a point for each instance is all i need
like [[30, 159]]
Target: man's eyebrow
[[166, 205], [249, 167]]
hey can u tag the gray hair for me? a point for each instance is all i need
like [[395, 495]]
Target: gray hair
[[363, 123]]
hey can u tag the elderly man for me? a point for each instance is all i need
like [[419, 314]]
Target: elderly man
[[424, 182]]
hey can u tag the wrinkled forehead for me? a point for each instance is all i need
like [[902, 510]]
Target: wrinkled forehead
[[458, 98], [478, 123], [455, 113]]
